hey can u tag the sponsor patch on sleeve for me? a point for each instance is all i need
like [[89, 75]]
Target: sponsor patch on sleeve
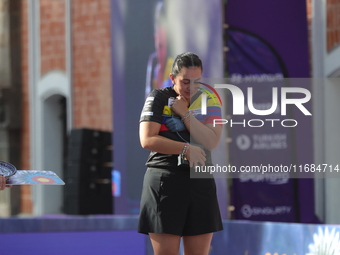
[[148, 103], [147, 114]]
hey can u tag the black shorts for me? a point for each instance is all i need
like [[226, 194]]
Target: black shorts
[[173, 203]]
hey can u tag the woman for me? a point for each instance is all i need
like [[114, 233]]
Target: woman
[[173, 205]]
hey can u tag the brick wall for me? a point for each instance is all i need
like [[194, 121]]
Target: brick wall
[[92, 64], [333, 24], [26, 204], [52, 35], [91, 76], [52, 50]]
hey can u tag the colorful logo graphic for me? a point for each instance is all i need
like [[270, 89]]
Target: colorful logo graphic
[[116, 183], [42, 179]]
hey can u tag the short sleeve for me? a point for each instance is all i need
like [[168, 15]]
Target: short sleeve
[[213, 109], [153, 108]]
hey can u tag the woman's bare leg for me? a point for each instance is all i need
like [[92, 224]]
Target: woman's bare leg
[[165, 244], [197, 245]]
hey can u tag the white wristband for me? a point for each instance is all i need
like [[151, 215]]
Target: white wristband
[[184, 151], [186, 116]]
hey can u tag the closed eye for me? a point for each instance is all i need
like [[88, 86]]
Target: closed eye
[[186, 81]]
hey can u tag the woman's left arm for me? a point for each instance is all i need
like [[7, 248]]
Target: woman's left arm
[[207, 135]]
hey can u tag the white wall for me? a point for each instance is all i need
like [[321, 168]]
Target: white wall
[[332, 149], [49, 139], [326, 115], [46, 134]]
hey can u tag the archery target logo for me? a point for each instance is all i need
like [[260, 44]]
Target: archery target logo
[[39, 179]]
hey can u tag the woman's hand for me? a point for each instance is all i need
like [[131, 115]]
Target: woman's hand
[[3, 183], [196, 156], [180, 106]]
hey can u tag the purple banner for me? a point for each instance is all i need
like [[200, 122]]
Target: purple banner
[[265, 48]]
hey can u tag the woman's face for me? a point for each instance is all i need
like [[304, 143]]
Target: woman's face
[[186, 81]]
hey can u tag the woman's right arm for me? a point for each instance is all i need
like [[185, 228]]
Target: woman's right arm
[[151, 140]]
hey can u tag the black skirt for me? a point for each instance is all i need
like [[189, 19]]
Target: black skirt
[[173, 203]]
